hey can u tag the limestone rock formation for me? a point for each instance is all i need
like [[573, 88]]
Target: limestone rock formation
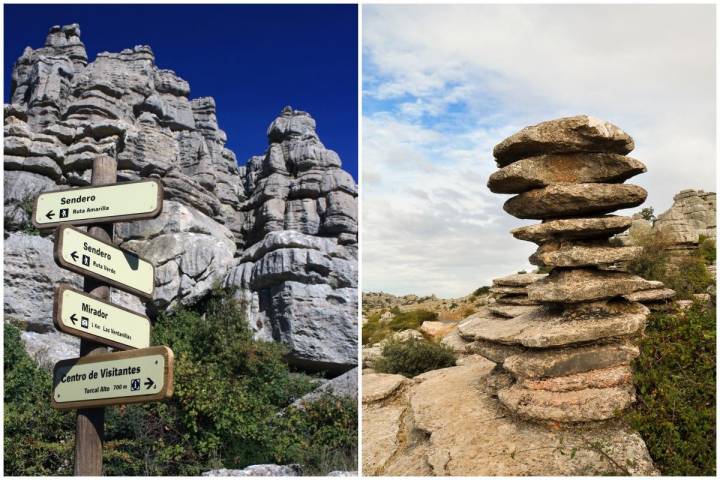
[[447, 423], [282, 228], [571, 354]]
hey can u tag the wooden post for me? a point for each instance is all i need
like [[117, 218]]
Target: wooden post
[[90, 426]]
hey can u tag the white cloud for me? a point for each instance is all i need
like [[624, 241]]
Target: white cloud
[[446, 83]]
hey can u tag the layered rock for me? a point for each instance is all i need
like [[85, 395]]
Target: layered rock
[[282, 228], [446, 423], [569, 357]]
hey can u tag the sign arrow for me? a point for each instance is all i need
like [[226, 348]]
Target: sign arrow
[[74, 256], [50, 215], [149, 383], [73, 318]]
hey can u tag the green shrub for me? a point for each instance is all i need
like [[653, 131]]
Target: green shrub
[[375, 331], [707, 249], [229, 409], [39, 440], [481, 291], [686, 276], [413, 356], [675, 380]]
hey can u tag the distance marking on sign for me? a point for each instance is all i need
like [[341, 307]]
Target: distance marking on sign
[[77, 251], [84, 316], [133, 376], [110, 203]]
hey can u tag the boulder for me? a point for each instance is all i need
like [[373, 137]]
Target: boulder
[[345, 385], [536, 364], [591, 404], [581, 285], [436, 329], [601, 378], [572, 200], [519, 279], [537, 172], [544, 328], [573, 228], [572, 255], [581, 133], [264, 470]]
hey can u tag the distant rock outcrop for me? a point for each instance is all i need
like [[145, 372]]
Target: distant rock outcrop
[[691, 216], [282, 228]]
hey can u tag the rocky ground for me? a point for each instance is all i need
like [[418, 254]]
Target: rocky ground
[[449, 422], [448, 309], [282, 228]]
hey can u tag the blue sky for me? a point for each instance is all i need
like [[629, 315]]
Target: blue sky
[[443, 84], [252, 59]]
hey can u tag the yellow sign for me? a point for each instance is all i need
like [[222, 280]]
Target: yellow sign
[[111, 203], [77, 251], [79, 314], [113, 378]]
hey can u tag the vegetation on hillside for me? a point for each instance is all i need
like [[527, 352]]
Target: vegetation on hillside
[[230, 408], [413, 356], [687, 276], [675, 380], [376, 330], [675, 374]]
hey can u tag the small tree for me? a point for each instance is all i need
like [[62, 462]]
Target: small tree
[[648, 213]]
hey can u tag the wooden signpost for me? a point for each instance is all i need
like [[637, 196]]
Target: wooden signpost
[[79, 314], [113, 378], [118, 202], [98, 378], [79, 252]]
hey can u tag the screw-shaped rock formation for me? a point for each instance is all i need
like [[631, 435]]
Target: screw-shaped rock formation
[[575, 348]]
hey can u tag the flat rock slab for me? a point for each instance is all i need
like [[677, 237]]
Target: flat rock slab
[[455, 341], [573, 228], [381, 427], [601, 378], [573, 255], [652, 295], [379, 386], [582, 285], [571, 200], [581, 133], [543, 328], [518, 300], [568, 361], [510, 311], [504, 290], [519, 279], [467, 432], [592, 404], [537, 172]]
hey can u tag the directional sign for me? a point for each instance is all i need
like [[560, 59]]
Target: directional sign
[[77, 251], [133, 376], [79, 314], [111, 203]]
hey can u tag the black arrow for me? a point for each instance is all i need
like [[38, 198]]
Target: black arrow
[[73, 318], [50, 215], [74, 256], [149, 383]]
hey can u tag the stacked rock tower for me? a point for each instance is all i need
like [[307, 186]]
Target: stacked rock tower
[[574, 349]]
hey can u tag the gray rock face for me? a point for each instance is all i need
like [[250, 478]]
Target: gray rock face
[[575, 349], [692, 214], [65, 111], [30, 279], [346, 385]]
